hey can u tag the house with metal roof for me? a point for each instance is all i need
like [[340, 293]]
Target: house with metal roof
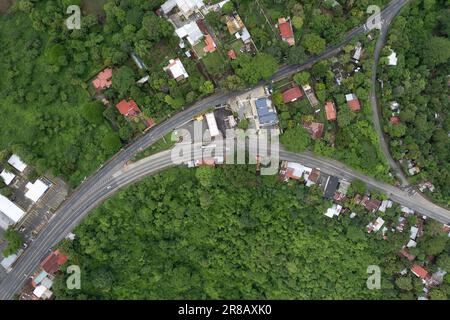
[[191, 32], [17, 163], [185, 7], [7, 177], [331, 186], [265, 113], [36, 190], [10, 212]]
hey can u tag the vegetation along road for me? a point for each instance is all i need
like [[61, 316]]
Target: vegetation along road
[[112, 176]]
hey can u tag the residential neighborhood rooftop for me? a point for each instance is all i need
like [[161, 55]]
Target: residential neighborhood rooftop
[[330, 110], [266, 113], [11, 210], [36, 190], [176, 69], [191, 32], [103, 79], [52, 262], [7, 176], [128, 108], [353, 102], [292, 94], [286, 32], [17, 163]]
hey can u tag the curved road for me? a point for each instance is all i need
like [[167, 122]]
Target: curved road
[[386, 22], [114, 174]]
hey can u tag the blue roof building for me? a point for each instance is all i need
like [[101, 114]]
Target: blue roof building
[[266, 114]]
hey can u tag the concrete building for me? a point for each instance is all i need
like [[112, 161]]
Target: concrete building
[[212, 124], [17, 163], [36, 190], [186, 7], [9, 212], [176, 70], [7, 177]]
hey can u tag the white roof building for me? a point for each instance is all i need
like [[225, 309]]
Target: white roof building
[[36, 190], [335, 210], [392, 59], [375, 226], [42, 292], [358, 51], [411, 244], [298, 170], [186, 7], [7, 177], [385, 205], [350, 97], [212, 124], [9, 261], [414, 231], [191, 32], [10, 210], [244, 35], [176, 69], [407, 210], [17, 163]]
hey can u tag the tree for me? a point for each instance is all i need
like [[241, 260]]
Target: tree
[[253, 69], [357, 187], [228, 8], [437, 294], [207, 87], [93, 112], [122, 80], [296, 139], [111, 143], [302, 78], [243, 124], [205, 176], [437, 51], [345, 116], [443, 262], [15, 241], [296, 55], [297, 22], [314, 43], [232, 83], [435, 245], [404, 283]]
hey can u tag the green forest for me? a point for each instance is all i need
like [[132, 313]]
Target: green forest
[[419, 84], [225, 233]]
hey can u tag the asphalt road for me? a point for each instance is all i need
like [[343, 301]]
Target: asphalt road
[[387, 20], [111, 177]]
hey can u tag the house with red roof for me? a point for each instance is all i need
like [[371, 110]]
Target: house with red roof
[[286, 32], [292, 94], [210, 45], [53, 262], [128, 108], [394, 120], [353, 102], [315, 129], [150, 122], [232, 54], [330, 111], [103, 79], [405, 253], [420, 272]]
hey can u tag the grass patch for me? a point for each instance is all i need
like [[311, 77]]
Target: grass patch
[[160, 145], [214, 63]]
